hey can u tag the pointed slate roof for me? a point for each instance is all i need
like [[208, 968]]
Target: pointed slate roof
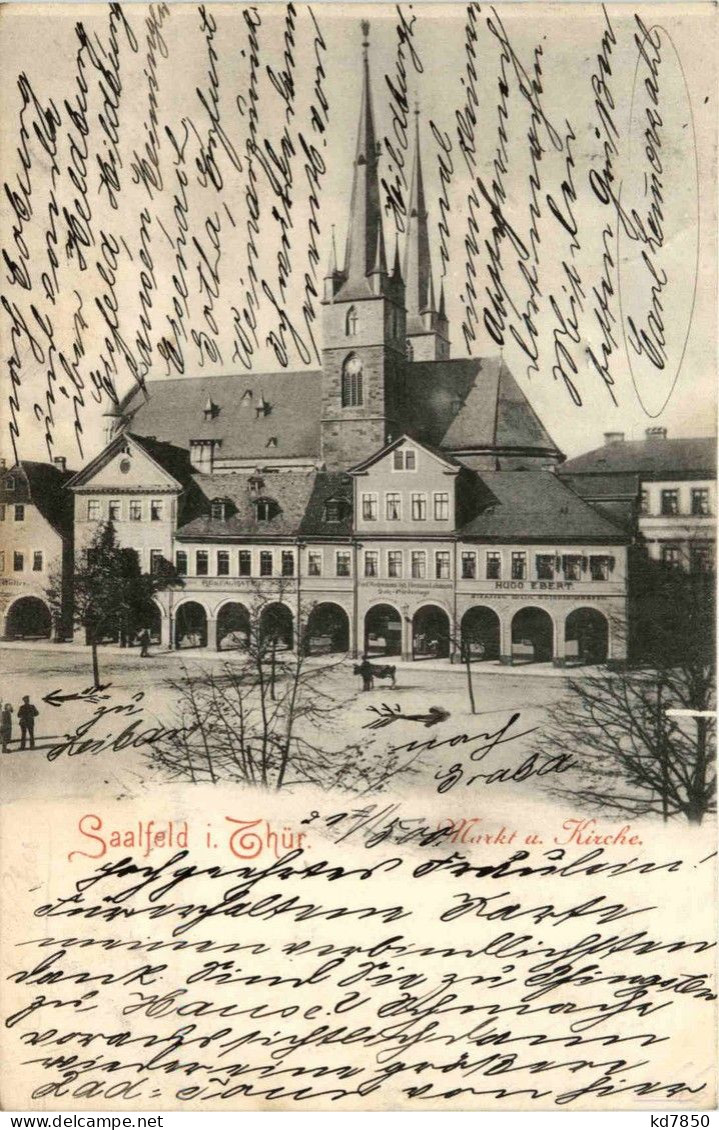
[[419, 290], [365, 252], [469, 405]]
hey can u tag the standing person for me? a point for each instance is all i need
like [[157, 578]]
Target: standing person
[[144, 639], [27, 714], [6, 726], [365, 670]]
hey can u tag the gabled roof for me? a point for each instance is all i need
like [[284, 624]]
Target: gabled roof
[[466, 405], [174, 461], [45, 487], [291, 490], [536, 505], [440, 456], [175, 412], [656, 457]]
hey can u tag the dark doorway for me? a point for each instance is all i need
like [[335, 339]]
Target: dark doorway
[[383, 631], [233, 627], [190, 625], [276, 626], [586, 632], [480, 634], [328, 630], [532, 636], [29, 618], [430, 633]]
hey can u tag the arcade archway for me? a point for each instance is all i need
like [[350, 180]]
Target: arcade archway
[[28, 618], [277, 626], [480, 634], [328, 629], [190, 625], [586, 633], [233, 627], [532, 636], [382, 631], [430, 633]]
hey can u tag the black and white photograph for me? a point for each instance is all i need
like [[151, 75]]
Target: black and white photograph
[[357, 557]]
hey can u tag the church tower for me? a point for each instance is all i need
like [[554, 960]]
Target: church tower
[[363, 316], [427, 327]]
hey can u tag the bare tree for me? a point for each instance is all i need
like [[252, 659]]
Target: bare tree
[[268, 717], [633, 754]]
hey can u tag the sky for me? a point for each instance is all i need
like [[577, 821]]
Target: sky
[[595, 78]]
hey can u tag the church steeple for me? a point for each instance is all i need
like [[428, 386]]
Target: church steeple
[[363, 317], [427, 329], [417, 266], [365, 267]]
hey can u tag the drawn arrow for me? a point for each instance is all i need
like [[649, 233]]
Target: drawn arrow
[[89, 694], [386, 716]]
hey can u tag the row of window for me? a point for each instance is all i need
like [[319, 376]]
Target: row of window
[[572, 567], [700, 558], [133, 510], [18, 512], [669, 502], [268, 567], [19, 559], [393, 506]]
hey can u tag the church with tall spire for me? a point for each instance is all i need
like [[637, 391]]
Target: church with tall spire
[[427, 325], [392, 502]]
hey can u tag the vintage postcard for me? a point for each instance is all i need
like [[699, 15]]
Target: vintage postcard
[[357, 557]]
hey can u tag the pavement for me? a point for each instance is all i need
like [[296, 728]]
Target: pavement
[[492, 668]]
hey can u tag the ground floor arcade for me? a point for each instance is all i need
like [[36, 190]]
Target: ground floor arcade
[[560, 630]]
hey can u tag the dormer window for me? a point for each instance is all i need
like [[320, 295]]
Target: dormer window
[[218, 509], [266, 509], [262, 408], [352, 322], [334, 509], [246, 400], [271, 442], [256, 483], [10, 483], [211, 409]]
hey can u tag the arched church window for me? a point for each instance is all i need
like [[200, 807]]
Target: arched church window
[[352, 392], [352, 322]]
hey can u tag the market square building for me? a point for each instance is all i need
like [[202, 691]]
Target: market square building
[[393, 502]]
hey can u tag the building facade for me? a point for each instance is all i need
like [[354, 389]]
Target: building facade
[[662, 489], [36, 551], [395, 502]]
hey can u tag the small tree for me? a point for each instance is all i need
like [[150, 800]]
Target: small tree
[[269, 718], [632, 753], [110, 590]]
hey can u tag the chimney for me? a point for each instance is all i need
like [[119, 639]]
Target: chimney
[[656, 433], [60, 462], [613, 437]]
